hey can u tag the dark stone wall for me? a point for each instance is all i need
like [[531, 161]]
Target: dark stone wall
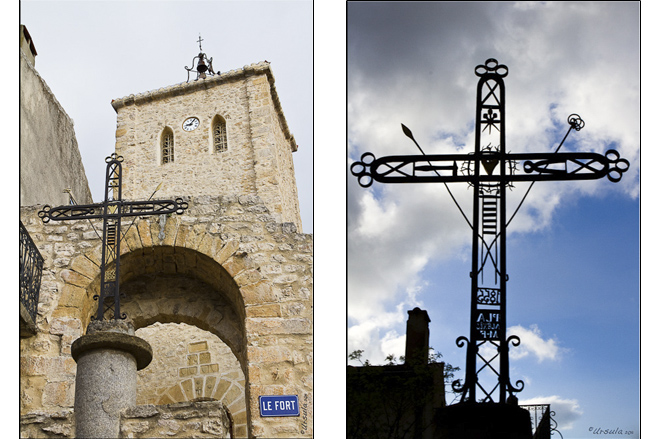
[[482, 421]]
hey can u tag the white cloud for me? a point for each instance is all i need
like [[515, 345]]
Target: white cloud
[[532, 343], [414, 65], [395, 344], [567, 411]]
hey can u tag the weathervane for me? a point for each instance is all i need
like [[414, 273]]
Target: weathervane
[[203, 66], [489, 170], [111, 211]]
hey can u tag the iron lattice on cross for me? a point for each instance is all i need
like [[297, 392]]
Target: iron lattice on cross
[[490, 170], [111, 211]]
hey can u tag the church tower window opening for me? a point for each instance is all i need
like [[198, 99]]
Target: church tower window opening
[[167, 146], [220, 141]]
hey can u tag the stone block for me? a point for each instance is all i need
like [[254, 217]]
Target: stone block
[[235, 264], [248, 277], [85, 267], [170, 231], [209, 368], [72, 296], [176, 394], [60, 394], [181, 236], [66, 326], [240, 417], [268, 326], [258, 293], [144, 230], [188, 371], [198, 387], [204, 358], [226, 251], [270, 354], [221, 389], [132, 239], [209, 385], [271, 310], [74, 278], [188, 388], [198, 346]]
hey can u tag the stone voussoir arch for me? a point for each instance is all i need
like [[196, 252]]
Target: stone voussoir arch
[[82, 279], [269, 264]]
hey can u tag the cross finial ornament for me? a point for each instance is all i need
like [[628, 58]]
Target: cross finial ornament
[[203, 64], [111, 211], [490, 170]]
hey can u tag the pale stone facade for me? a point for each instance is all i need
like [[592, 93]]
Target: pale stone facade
[[50, 161], [190, 363], [251, 280], [207, 419], [223, 293], [258, 160]]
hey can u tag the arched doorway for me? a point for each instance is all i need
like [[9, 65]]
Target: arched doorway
[[191, 311], [192, 364]]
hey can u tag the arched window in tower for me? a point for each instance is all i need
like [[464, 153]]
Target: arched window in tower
[[167, 146], [220, 141]]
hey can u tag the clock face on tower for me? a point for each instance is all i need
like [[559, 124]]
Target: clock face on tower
[[190, 124]]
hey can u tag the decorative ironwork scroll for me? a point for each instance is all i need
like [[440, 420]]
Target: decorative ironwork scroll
[[30, 269], [111, 211], [542, 419], [203, 65], [490, 170]]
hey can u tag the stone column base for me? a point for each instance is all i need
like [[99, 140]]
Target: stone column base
[[108, 358]]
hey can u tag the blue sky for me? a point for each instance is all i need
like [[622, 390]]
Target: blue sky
[[573, 248]]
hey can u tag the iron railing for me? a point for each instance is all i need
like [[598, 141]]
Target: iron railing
[[541, 418], [31, 266]]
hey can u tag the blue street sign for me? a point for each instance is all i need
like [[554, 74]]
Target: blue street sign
[[279, 405]]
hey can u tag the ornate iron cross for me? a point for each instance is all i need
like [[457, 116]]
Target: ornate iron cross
[[111, 211], [489, 170]]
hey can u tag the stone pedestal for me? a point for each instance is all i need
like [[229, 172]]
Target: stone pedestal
[[108, 359]]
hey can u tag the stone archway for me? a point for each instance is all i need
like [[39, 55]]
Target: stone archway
[[180, 286], [262, 269], [192, 364]]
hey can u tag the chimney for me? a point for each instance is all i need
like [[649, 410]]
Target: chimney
[[27, 45], [418, 337]]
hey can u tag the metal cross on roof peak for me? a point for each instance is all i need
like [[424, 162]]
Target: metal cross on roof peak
[[111, 210], [203, 66], [490, 170]]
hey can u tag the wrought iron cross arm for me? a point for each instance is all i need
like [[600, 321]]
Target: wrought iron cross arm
[[128, 208], [155, 207], [454, 168], [409, 169], [61, 213], [569, 166]]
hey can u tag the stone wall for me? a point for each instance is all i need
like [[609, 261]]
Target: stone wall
[[259, 156], [252, 288], [182, 420], [199, 419], [189, 363], [49, 157]]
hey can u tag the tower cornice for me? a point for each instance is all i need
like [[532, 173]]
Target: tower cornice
[[262, 67]]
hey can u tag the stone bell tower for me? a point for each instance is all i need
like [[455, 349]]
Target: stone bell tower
[[218, 134]]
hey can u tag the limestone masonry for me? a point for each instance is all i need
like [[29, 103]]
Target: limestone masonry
[[259, 156], [49, 150], [222, 294]]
